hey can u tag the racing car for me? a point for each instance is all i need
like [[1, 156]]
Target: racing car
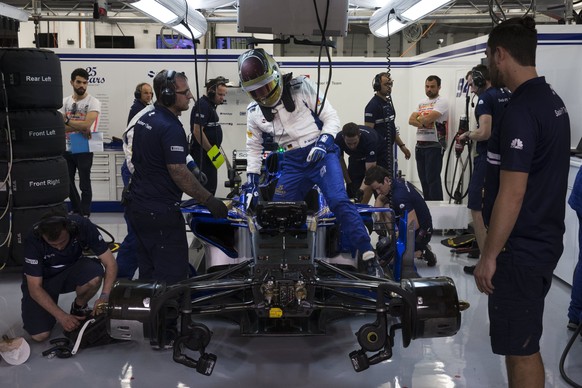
[[281, 271]]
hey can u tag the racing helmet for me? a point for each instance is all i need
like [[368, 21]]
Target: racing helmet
[[260, 77]]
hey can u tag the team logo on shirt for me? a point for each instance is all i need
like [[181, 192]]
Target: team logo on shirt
[[30, 261], [177, 148], [516, 144]]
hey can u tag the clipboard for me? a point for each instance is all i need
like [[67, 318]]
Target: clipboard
[[215, 156]]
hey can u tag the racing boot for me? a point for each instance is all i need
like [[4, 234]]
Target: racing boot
[[429, 256], [372, 265]]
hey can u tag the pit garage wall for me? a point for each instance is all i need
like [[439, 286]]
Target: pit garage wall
[[114, 74]]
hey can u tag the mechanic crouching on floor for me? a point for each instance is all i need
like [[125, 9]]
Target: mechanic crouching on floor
[[404, 198], [159, 179], [285, 108], [54, 264]]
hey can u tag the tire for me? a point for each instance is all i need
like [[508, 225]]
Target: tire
[[23, 220], [38, 182], [33, 134], [32, 77]]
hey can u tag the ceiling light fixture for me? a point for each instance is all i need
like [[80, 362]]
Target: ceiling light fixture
[[397, 14], [13, 13], [172, 13]]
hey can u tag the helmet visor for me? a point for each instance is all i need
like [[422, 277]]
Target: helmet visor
[[268, 94]]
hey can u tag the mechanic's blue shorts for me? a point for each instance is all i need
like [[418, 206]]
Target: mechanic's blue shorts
[[475, 189], [516, 306], [35, 318]]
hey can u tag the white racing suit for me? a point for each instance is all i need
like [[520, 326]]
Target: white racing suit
[[296, 132]]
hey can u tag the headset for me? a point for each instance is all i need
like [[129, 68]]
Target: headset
[[168, 93], [480, 76], [70, 226], [137, 93], [212, 85], [377, 82]]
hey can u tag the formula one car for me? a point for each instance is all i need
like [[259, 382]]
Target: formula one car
[[281, 271]]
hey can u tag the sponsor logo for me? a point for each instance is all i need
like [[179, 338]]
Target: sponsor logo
[[516, 144], [177, 148], [30, 261]]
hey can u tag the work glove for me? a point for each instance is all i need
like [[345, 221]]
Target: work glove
[[250, 190], [216, 207], [193, 167], [320, 148]]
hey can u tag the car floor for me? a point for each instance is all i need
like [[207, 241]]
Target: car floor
[[464, 360]]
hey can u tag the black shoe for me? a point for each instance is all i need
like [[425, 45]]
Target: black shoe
[[429, 256], [84, 311], [469, 269]]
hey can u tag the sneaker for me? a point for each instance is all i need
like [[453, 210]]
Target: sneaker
[[84, 311], [572, 326], [469, 269], [429, 256]]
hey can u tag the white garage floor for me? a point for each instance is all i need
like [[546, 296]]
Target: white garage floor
[[464, 360]]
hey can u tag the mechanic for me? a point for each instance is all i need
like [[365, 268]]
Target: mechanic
[[404, 197], [284, 107], [528, 158], [54, 264], [364, 150], [160, 178], [490, 106], [380, 115], [206, 130]]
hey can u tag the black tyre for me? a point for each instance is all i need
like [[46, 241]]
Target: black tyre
[[32, 134], [32, 77], [23, 220], [38, 182]]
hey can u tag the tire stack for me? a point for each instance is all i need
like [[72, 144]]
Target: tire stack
[[33, 174]]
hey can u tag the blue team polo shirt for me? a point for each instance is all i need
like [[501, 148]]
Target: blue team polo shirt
[[382, 114], [491, 102], [406, 198], [533, 137], [369, 149], [158, 140], [42, 260], [204, 114]]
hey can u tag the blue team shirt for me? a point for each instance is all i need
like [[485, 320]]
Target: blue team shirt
[[406, 198], [491, 102], [204, 114], [137, 106], [42, 260], [368, 149], [158, 140], [382, 114], [533, 137]]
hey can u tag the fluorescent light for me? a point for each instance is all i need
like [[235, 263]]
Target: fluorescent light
[[420, 10], [13, 12], [172, 13], [400, 13]]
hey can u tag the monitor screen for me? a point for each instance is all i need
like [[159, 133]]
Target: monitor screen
[[173, 42]]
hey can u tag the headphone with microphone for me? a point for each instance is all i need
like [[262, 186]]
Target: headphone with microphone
[[377, 82], [168, 93], [137, 93], [40, 228], [480, 76], [213, 84]]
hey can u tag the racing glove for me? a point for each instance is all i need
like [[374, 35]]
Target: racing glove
[[216, 207], [320, 148], [193, 167], [251, 190]]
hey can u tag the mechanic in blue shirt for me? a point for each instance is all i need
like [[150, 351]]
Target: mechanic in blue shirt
[[380, 115], [285, 107], [364, 151], [401, 196], [528, 158], [160, 178], [126, 254], [54, 264], [206, 130], [575, 308], [488, 111]]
